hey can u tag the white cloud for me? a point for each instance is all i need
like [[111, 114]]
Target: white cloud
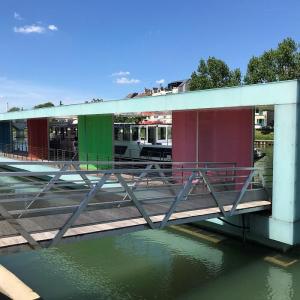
[[27, 29], [161, 81], [52, 27], [17, 16], [125, 80], [121, 73]]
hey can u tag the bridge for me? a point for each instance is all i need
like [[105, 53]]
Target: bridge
[[66, 201], [207, 126]]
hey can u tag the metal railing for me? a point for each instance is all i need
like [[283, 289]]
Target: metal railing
[[121, 191], [21, 151]]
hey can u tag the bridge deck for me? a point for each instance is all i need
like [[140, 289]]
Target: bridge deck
[[94, 208]]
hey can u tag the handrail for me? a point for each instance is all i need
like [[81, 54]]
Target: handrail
[[112, 162]]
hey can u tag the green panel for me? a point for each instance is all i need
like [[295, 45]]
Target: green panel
[[95, 138]]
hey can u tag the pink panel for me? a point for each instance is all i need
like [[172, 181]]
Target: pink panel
[[184, 136], [224, 135]]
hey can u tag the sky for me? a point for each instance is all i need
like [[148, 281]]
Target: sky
[[77, 50]]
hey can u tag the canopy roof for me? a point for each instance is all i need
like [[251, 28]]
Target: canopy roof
[[282, 92]]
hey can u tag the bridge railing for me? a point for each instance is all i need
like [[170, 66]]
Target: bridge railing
[[22, 151], [146, 191]]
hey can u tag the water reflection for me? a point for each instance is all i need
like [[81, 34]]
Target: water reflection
[[161, 246], [279, 284], [155, 265]]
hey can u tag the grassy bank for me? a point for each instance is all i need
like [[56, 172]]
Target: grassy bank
[[261, 136]]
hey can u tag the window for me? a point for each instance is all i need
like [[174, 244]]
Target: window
[[135, 133], [143, 133], [169, 133], [118, 133], [126, 135], [161, 133]]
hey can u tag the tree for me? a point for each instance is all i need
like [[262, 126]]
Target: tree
[[128, 119], [14, 109], [42, 105], [95, 100], [214, 73], [282, 63]]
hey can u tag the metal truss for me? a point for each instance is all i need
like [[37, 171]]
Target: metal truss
[[179, 183]]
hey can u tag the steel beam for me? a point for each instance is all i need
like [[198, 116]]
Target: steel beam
[[180, 196], [79, 210], [242, 193], [135, 201]]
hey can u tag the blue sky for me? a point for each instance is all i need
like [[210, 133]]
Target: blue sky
[[76, 50]]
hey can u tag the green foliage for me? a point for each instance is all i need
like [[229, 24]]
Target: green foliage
[[95, 100], [261, 136], [14, 109], [128, 119], [42, 105], [214, 73], [282, 63]]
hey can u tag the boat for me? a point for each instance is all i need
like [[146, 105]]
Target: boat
[[143, 142]]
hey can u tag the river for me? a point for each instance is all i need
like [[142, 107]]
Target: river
[[156, 264]]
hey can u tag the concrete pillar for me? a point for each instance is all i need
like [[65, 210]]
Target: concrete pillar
[[5, 135], [38, 138], [95, 138], [286, 179]]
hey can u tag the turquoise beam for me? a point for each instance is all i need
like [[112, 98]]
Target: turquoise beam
[[284, 92]]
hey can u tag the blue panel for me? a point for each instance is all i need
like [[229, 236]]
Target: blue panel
[[5, 134]]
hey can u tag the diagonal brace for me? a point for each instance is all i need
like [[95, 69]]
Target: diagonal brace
[[212, 192], [83, 176], [136, 182], [83, 204], [135, 201], [164, 178], [19, 228], [183, 193], [242, 193], [53, 180]]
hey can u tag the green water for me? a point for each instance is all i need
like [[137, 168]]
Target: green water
[[156, 265]]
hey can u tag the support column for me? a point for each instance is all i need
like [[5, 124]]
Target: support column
[[5, 135], [286, 176], [38, 138], [95, 138]]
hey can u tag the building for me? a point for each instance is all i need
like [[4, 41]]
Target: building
[[174, 87]]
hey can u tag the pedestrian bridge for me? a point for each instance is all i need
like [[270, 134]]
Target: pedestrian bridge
[[44, 204]]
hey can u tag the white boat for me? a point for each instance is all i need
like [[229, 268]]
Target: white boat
[[143, 142]]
